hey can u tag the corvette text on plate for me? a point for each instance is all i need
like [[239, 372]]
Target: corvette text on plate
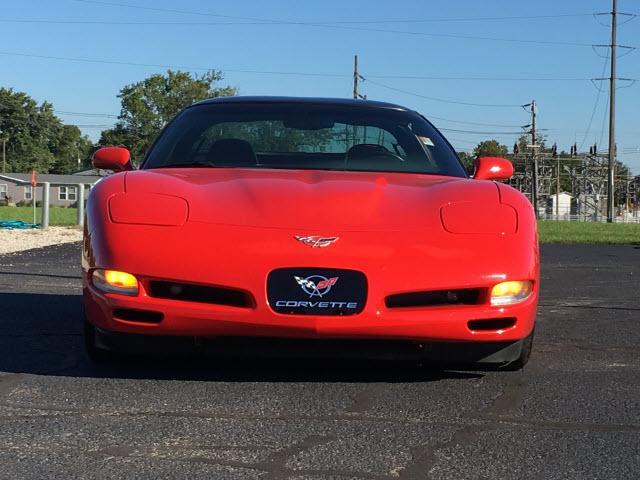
[[316, 286]]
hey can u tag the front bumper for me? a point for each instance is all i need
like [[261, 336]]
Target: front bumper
[[243, 257], [180, 318]]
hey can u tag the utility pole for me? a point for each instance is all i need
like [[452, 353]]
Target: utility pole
[[628, 191], [356, 77], [558, 188], [534, 158], [4, 155], [612, 117]]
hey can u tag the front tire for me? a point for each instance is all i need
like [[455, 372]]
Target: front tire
[[525, 354], [96, 354]]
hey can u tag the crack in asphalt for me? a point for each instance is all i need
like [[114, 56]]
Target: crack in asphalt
[[363, 399], [274, 466], [593, 307], [7, 382], [482, 421], [74, 277], [424, 458]]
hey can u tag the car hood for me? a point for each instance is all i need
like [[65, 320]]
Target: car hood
[[313, 200]]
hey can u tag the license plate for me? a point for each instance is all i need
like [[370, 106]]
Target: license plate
[[316, 291]]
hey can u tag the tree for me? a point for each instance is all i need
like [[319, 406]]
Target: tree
[[36, 138], [71, 150], [524, 140], [147, 106], [490, 148], [468, 161]]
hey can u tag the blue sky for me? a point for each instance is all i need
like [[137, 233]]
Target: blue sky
[[431, 48]]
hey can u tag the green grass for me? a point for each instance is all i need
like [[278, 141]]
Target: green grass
[[57, 216], [551, 231]]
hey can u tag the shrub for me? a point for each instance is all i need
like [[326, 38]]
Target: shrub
[[28, 203]]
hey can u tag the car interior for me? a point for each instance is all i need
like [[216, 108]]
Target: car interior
[[238, 152], [235, 152]]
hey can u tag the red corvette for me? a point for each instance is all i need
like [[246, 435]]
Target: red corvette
[[333, 222]]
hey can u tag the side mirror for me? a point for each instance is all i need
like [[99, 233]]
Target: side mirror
[[112, 158], [493, 168]]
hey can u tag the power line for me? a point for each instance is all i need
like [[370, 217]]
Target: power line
[[357, 76], [35, 122], [69, 21], [459, 140], [473, 132], [341, 27], [89, 126], [443, 100], [472, 123], [476, 79], [80, 114], [449, 19], [158, 65], [270, 72], [595, 107], [281, 22]]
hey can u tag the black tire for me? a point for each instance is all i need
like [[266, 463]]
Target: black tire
[[95, 354], [523, 359]]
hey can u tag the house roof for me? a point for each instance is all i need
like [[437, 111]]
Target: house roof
[[94, 172], [25, 178]]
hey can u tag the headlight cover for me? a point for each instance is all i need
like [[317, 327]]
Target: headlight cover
[[148, 209], [479, 218]]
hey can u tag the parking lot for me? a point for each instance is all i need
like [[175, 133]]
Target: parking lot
[[573, 413]]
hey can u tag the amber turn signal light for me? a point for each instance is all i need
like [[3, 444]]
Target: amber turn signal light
[[507, 293], [113, 281]]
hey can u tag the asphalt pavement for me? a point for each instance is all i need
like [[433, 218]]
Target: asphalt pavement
[[573, 413]]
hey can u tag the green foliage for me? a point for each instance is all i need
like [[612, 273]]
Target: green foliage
[[490, 148], [541, 140], [29, 203], [36, 138], [148, 105], [72, 151], [468, 161]]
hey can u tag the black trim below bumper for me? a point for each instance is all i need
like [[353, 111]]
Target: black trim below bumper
[[446, 353]]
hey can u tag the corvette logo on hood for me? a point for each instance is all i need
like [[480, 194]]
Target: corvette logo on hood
[[316, 241], [316, 285]]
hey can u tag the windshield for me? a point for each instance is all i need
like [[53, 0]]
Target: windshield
[[303, 136]]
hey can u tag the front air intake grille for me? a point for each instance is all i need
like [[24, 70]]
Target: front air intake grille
[[491, 324], [140, 316], [189, 292], [436, 298]]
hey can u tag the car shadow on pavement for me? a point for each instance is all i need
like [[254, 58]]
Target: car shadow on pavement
[[42, 334]]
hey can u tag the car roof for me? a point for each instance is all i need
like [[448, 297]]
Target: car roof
[[307, 100]]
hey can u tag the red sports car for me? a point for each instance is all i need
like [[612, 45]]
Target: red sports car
[[311, 222]]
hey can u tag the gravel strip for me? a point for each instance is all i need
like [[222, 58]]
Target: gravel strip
[[18, 240]]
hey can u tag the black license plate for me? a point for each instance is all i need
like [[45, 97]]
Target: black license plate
[[316, 291]]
